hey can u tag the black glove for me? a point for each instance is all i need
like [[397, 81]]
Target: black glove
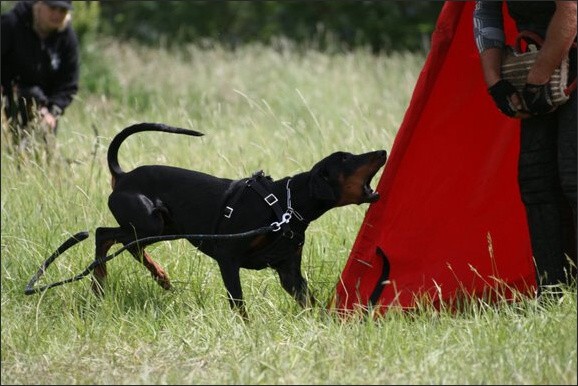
[[538, 98], [500, 92]]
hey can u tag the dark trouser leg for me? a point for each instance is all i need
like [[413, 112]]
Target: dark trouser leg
[[547, 178], [568, 172]]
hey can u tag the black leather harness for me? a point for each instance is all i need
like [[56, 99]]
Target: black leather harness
[[263, 185]]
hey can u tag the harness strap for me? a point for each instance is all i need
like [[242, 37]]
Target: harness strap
[[228, 207], [231, 196], [262, 185]]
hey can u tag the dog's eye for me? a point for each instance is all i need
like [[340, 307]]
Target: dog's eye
[[344, 157]]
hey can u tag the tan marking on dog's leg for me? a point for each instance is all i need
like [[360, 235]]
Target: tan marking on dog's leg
[[158, 273]]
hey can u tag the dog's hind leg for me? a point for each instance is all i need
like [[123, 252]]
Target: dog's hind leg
[[145, 218], [105, 238], [157, 272]]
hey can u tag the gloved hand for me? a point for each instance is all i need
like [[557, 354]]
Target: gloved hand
[[538, 98], [501, 93]]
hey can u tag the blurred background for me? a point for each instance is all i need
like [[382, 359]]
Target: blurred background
[[327, 25]]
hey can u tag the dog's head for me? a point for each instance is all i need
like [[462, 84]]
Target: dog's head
[[344, 178]]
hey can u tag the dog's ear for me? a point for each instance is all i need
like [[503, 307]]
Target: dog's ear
[[320, 187]]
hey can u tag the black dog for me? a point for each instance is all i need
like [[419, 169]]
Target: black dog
[[163, 200]]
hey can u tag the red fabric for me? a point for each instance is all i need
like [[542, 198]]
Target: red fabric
[[450, 219]]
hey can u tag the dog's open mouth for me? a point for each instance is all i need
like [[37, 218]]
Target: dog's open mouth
[[370, 194]]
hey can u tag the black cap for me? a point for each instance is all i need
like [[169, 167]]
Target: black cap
[[60, 3]]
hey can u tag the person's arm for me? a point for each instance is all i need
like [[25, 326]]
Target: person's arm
[[491, 60], [490, 40], [66, 84], [560, 35]]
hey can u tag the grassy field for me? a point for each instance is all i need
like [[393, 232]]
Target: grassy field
[[273, 108]]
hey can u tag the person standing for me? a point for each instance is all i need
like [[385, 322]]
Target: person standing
[[547, 159], [40, 64]]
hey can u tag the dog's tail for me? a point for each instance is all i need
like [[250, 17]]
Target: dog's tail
[[112, 155]]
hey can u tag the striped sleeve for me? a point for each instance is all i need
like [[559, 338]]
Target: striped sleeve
[[488, 25]]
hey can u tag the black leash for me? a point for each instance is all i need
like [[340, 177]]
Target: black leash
[[80, 236]]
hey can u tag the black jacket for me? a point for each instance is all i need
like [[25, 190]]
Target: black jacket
[[50, 68]]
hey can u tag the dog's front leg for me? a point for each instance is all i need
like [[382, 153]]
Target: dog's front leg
[[232, 281], [294, 283]]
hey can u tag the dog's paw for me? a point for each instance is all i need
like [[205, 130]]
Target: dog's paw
[[164, 282]]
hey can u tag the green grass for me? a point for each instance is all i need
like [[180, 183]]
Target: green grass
[[261, 108]]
